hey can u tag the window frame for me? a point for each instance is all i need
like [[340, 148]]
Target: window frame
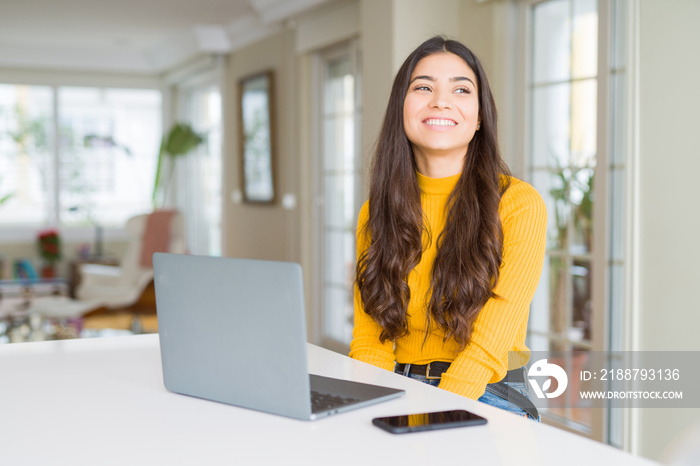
[[318, 283]]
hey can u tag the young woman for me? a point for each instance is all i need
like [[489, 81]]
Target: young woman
[[450, 246]]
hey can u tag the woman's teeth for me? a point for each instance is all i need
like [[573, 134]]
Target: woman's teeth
[[436, 122]]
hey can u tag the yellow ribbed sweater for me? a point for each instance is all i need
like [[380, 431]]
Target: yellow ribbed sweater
[[502, 323]]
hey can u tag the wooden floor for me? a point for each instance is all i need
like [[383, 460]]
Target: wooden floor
[[149, 323]]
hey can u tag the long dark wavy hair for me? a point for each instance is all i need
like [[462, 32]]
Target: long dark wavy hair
[[469, 249]]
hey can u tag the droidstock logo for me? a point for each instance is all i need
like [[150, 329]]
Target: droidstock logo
[[542, 368]]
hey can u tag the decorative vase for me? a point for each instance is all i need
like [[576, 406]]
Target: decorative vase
[[48, 270]]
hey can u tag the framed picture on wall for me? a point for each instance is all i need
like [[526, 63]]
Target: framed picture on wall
[[256, 135]]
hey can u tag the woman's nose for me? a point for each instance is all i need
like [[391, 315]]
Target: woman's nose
[[440, 100]]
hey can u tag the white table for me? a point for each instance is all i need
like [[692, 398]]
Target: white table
[[102, 401]]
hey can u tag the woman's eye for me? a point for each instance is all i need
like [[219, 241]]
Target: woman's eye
[[422, 88], [463, 90]]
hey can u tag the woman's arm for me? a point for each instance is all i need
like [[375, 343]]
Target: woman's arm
[[365, 345], [503, 321]]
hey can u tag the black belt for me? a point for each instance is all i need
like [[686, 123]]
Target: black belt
[[431, 371], [434, 371]]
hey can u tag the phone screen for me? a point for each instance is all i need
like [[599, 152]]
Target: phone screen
[[428, 421]]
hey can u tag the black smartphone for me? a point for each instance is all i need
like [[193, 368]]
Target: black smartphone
[[428, 421]]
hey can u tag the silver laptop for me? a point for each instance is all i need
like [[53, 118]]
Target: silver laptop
[[233, 331]]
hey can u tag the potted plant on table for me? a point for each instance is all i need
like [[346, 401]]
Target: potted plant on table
[[49, 244]]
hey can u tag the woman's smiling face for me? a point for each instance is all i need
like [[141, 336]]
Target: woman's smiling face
[[441, 110]]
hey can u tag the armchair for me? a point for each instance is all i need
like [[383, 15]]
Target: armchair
[[128, 288]]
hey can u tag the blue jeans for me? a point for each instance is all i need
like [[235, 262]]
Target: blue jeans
[[487, 397]]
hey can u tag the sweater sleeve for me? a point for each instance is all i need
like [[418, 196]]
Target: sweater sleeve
[[365, 345], [485, 359]]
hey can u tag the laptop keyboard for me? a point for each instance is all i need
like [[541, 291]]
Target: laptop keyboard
[[325, 401]]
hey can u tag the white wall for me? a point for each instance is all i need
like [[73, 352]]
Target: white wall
[[263, 231], [489, 30], [669, 164], [377, 71], [417, 20]]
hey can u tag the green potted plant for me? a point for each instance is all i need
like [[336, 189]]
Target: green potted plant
[[180, 140]]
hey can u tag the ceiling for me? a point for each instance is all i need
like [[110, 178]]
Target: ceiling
[[133, 36]]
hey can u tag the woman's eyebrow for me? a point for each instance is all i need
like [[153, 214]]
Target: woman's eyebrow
[[428, 78], [431, 78], [462, 78]]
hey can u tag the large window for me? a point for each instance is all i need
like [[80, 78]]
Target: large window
[[575, 113], [76, 156]]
